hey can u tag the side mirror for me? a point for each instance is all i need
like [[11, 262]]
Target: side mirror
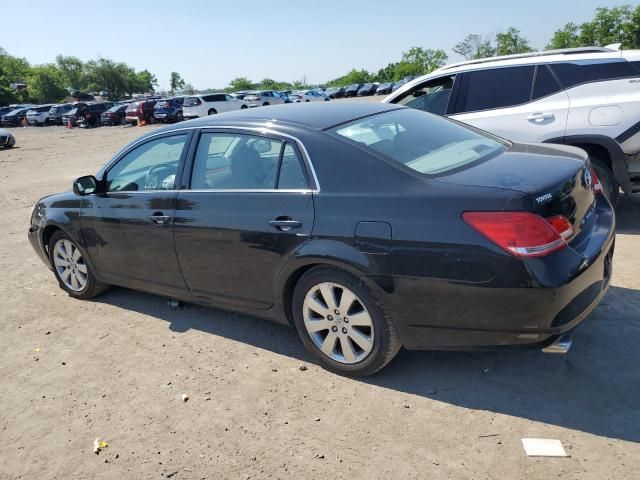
[[85, 185]]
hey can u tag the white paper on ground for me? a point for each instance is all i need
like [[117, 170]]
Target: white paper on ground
[[543, 447]]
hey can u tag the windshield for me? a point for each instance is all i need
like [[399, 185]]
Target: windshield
[[425, 143]]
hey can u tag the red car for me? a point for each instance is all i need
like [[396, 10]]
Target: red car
[[139, 111]]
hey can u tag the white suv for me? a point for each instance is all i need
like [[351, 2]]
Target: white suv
[[586, 97], [210, 104]]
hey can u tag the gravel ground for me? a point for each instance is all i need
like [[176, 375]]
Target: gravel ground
[[116, 367]]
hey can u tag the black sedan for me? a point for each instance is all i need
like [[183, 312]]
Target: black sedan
[[115, 115], [366, 226]]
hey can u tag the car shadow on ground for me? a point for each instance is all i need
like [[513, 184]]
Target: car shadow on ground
[[594, 389], [628, 215]]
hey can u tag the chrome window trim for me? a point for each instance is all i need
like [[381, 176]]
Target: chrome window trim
[[303, 191], [262, 130]]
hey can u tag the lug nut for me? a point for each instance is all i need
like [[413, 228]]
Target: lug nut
[[346, 320], [336, 311], [334, 329], [329, 317], [344, 330]]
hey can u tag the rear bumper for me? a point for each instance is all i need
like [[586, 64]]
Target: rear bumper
[[562, 290]]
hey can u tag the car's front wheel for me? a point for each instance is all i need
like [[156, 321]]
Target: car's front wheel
[[342, 324], [70, 268]]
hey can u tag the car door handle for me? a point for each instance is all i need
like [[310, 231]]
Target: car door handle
[[159, 219], [540, 117], [285, 224]]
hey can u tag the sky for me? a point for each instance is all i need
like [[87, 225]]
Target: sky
[[210, 42]]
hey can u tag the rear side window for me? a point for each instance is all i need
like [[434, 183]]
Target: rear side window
[[213, 98], [291, 175], [498, 88], [544, 84], [575, 73]]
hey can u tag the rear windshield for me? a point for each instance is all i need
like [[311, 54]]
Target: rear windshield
[[426, 143], [191, 101]]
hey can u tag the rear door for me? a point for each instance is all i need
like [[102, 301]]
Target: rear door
[[523, 103], [247, 207]]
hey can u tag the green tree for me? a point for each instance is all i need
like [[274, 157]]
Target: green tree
[[240, 83], [567, 37], [45, 84], [611, 25], [353, 76], [12, 70], [117, 79], [511, 42], [188, 89], [426, 60], [175, 82], [72, 69], [475, 46], [269, 84]]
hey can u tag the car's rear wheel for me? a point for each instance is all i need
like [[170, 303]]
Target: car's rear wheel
[[151, 119], [243, 107], [610, 186], [265, 104], [179, 117], [70, 268], [212, 111], [342, 324]]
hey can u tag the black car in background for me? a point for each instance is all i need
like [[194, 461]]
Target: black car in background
[[88, 115], [115, 115], [454, 238], [15, 117], [367, 89], [5, 110], [384, 88], [334, 92], [169, 110], [70, 118], [56, 112], [352, 90]]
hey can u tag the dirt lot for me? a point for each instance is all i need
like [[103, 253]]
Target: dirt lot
[[116, 367]]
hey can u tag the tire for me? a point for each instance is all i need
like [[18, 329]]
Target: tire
[[374, 325], [212, 111], [151, 119], [243, 107], [92, 287], [610, 186], [179, 117], [265, 104]]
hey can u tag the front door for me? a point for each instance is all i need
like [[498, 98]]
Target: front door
[[249, 207], [129, 228]]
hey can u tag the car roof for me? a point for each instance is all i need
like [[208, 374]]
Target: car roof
[[315, 116]]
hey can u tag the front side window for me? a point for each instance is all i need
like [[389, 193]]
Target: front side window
[[432, 96], [427, 144], [498, 88], [229, 161], [150, 166]]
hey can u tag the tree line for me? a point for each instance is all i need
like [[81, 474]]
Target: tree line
[[55, 81]]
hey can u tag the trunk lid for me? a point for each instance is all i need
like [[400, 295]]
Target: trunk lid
[[557, 178]]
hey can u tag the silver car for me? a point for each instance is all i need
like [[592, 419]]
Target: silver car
[[7, 139], [262, 98]]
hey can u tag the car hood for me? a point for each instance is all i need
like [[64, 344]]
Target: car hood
[[6, 133]]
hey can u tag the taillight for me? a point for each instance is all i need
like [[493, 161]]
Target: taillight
[[595, 182], [561, 225], [522, 234]]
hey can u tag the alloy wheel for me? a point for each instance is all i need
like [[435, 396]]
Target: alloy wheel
[[70, 265], [338, 323]]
